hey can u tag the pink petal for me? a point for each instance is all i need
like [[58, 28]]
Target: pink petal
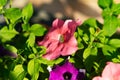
[[110, 72], [51, 55], [78, 21], [68, 50], [70, 47], [111, 69], [49, 38], [97, 78], [54, 35], [57, 23], [70, 26]]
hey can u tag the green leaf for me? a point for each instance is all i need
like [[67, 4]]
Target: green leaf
[[98, 45], [2, 2], [89, 55], [101, 37], [18, 73], [1, 60], [6, 35], [11, 48], [114, 43], [106, 13], [33, 68], [31, 40], [91, 22], [27, 12], [110, 25], [38, 29], [13, 14], [31, 56], [116, 9], [105, 3], [25, 27], [92, 30], [80, 44], [107, 50], [59, 60], [89, 51], [80, 31], [86, 38]]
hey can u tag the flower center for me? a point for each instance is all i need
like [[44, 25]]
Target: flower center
[[67, 76], [61, 38]]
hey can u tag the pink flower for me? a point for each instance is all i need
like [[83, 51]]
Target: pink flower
[[111, 72], [60, 39]]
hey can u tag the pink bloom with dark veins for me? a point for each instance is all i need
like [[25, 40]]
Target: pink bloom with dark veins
[[110, 72], [60, 39]]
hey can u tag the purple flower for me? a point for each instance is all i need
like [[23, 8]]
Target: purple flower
[[4, 52], [67, 71]]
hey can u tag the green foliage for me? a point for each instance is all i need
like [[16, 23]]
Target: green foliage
[[27, 13], [31, 40], [2, 3], [105, 3], [37, 29], [33, 68], [13, 14], [18, 73], [97, 43], [114, 42], [6, 34], [110, 25]]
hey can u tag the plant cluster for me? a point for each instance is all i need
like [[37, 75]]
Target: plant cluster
[[22, 59]]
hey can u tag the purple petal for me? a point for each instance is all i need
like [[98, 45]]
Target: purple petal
[[67, 71]]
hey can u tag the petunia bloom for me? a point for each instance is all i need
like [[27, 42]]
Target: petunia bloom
[[110, 72], [67, 71], [60, 39]]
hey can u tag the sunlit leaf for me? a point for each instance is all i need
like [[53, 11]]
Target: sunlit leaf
[[2, 2], [18, 73], [105, 3], [13, 14], [38, 29], [6, 34], [116, 9], [89, 51], [31, 40], [110, 25], [114, 43], [27, 12], [106, 13], [91, 22], [107, 49], [33, 68]]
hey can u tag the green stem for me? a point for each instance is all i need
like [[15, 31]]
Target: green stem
[[7, 21]]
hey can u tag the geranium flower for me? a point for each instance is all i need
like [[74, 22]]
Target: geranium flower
[[4, 52], [60, 39], [67, 71], [110, 72]]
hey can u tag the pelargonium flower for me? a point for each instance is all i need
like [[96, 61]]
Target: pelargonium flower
[[110, 72], [67, 71], [60, 39]]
